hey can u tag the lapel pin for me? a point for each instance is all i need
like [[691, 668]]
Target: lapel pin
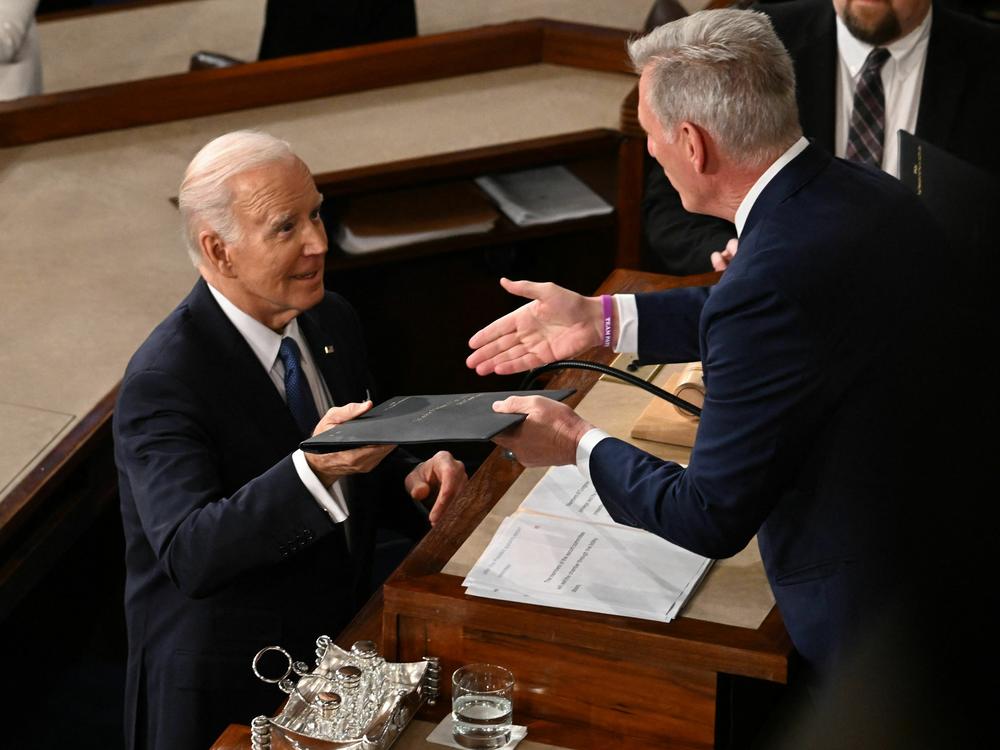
[[328, 349]]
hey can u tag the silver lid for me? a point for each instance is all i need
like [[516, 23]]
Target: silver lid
[[365, 649], [348, 676], [328, 703]]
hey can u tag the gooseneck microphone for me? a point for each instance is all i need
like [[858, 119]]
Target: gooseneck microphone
[[579, 364]]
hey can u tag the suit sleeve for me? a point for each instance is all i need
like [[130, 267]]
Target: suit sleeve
[[761, 403], [203, 537], [668, 324], [678, 242]]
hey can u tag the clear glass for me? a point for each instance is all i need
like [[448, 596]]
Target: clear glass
[[481, 703]]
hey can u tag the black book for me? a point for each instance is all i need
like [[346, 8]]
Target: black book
[[444, 418], [961, 197]]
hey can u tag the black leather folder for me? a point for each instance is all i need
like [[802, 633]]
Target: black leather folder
[[444, 418], [960, 196]]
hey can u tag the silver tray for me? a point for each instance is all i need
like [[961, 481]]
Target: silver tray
[[371, 716]]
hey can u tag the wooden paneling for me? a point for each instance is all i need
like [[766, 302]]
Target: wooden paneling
[[758, 653], [566, 686], [499, 158], [589, 47], [56, 502]]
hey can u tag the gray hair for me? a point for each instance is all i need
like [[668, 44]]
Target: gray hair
[[727, 71], [206, 196]]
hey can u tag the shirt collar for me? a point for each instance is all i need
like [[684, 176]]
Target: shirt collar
[[262, 340], [903, 51], [758, 187]]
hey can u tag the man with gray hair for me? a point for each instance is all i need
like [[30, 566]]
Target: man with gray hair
[[235, 539], [865, 69], [808, 437]]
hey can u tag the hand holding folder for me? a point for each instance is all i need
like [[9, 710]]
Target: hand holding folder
[[408, 420]]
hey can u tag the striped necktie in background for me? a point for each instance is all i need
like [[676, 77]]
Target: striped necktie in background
[[867, 129]]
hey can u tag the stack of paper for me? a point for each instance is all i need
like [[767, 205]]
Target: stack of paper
[[561, 549], [542, 196]]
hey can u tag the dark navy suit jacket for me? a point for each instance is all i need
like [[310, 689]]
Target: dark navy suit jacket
[[814, 344], [226, 550], [959, 109]]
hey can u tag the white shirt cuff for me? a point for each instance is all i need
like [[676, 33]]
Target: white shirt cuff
[[330, 499], [584, 448], [628, 323]]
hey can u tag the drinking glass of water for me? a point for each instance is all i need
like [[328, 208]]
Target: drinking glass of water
[[481, 705]]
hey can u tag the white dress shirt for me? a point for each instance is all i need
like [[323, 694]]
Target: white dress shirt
[[265, 343], [628, 313], [902, 79]]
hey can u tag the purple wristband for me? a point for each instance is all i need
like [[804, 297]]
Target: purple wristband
[[606, 302]]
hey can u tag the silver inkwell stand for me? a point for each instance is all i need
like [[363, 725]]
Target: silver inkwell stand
[[351, 700]]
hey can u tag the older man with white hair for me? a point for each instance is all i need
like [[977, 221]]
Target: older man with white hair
[[812, 343], [235, 539]]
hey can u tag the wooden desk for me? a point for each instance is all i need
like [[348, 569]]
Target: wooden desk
[[584, 680]]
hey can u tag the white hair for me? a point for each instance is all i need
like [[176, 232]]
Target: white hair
[[205, 197], [726, 71]]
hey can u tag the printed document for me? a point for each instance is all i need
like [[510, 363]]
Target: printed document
[[561, 549]]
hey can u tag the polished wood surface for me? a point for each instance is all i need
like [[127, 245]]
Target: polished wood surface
[[289, 79]]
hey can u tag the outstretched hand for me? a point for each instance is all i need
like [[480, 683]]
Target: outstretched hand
[[556, 324], [442, 472]]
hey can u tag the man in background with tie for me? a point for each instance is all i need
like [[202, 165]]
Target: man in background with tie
[[865, 69], [235, 539]]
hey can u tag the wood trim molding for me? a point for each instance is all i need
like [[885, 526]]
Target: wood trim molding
[[498, 157], [302, 77]]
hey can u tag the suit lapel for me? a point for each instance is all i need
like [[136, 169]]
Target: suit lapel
[[333, 358], [328, 353], [238, 366]]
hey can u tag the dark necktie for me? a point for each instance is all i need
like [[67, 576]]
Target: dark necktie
[[297, 390], [867, 128]]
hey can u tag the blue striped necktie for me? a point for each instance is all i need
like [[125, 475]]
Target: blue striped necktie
[[867, 129], [298, 394]]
